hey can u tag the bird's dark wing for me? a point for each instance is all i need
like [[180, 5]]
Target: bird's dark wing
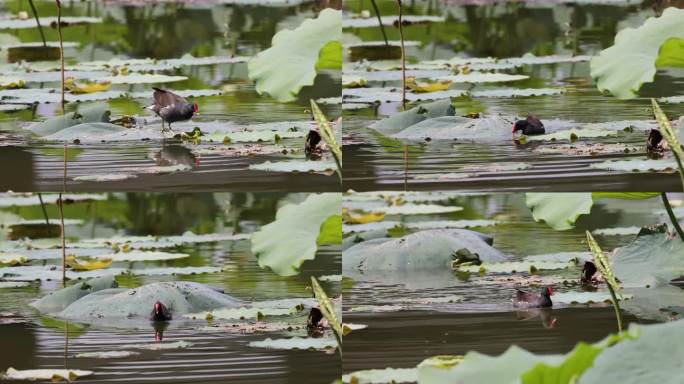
[[163, 98]]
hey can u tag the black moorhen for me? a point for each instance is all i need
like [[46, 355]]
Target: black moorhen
[[312, 149], [530, 126], [655, 144], [160, 312], [530, 300], [314, 326], [171, 107]]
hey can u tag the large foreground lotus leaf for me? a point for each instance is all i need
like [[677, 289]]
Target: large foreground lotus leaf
[[662, 303], [179, 296], [504, 369], [653, 357], [561, 210], [286, 67], [58, 300], [381, 376], [95, 114], [651, 259], [632, 60], [286, 243], [430, 249]]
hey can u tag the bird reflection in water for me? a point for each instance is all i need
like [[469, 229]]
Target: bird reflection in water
[[173, 155], [159, 328], [545, 314]]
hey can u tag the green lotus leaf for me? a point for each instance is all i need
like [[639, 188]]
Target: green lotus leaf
[[290, 63], [286, 243], [651, 259], [638, 53], [382, 376], [659, 345], [561, 210]]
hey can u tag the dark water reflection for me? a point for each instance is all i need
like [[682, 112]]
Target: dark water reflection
[[404, 339], [213, 357]]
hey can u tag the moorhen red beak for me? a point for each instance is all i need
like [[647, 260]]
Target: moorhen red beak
[[160, 312], [530, 126], [524, 299], [171, 107]]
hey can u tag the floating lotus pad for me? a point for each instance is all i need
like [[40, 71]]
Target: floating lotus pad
[[573, 134], [39, 44], [301, 343], [476, 170], [105, 177], [376, 308], [358, 22], [151, 242], [439, 75], [433, 224], [13, 284], [13, 107], [45, 374], [35, 272], [142, 256], [180, 344], [40, 222], [106, 355], [638, 165], [137, 78], [671, 100], [429, 249], [302, 166], [241, 313], [514, 266], [382, 376], [619, 231], [585, 297], [31, 23], [330, 278], [12, 259], [415, 209], [148, 65], [562, 257], [391, 94], [530, 59], [381, 43]]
